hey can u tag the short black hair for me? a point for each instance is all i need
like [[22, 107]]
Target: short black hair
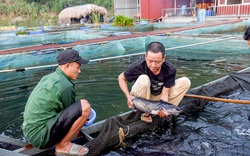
[[156, 47], [247, 34]]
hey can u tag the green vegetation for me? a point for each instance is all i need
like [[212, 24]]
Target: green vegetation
[[95, 17], [122, 20], [30, 13], [21, 33]]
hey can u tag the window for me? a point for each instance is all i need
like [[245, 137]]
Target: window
[[234, 2]]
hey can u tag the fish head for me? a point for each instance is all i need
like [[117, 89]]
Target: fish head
[[171, 109]]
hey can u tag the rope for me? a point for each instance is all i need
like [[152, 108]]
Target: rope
[[115, 57], [122, 137]]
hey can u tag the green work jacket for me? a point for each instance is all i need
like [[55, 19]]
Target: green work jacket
[[49, 98]]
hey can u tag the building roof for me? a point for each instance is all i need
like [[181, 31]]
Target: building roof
[[80, 11]]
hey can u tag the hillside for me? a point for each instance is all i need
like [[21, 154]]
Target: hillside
[[29, 13]]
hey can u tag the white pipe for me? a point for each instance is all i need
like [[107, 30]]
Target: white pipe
[[200, 43], [115, 57], [174, 7]]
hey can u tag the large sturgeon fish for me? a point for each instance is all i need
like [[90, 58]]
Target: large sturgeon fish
[[153, 107]]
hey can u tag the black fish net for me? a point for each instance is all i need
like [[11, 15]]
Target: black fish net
[[219, 88], [117, 130]]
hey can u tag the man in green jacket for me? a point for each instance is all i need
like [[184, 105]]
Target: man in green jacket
[[51, 115]]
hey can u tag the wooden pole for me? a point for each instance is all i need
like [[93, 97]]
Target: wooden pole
[[218, 99]]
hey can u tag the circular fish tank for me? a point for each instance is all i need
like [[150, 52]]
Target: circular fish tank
[[91, 118]]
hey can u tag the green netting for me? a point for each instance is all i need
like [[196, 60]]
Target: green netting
[[8, 42], [150, 27], [222, 29], [21, 60], [186, 46], [136, 28], [133, 45], [174, 25], [183, 47], [109, 49], [189, 48]]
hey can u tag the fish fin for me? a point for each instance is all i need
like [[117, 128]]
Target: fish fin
[[166, 112], [134, 109], [154, 112]]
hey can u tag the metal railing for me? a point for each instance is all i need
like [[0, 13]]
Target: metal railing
[[185, 11], [237, 9], [232, 10]]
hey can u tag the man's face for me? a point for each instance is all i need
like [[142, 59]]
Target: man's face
[[73, 70], [154, 61]]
